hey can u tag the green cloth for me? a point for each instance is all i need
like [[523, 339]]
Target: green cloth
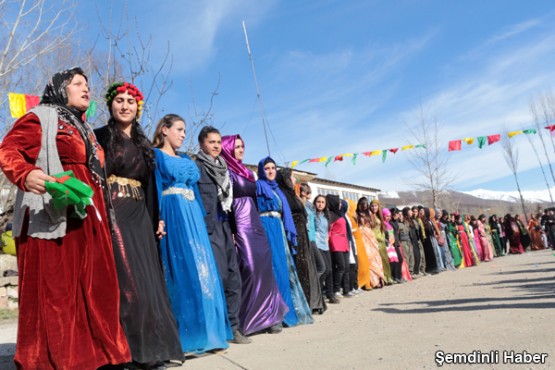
[[70, 191]]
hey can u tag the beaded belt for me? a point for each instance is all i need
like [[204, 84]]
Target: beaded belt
[[126, 187], [270, 214], [187, 193]]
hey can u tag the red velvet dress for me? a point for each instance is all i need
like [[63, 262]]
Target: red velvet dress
[[68, 287]]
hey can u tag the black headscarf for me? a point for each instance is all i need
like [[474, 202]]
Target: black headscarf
[[283, 179], [333, 202], [55, 95]]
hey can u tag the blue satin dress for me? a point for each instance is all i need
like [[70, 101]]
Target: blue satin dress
[[283, 264], [192, 278]]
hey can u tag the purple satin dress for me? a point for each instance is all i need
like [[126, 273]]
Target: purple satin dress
[[261, 305]]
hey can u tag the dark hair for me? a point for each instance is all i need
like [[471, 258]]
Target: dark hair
[[361, 213], [167, 121], [304, 187], [325, 211], [115, 140], [205, 131]]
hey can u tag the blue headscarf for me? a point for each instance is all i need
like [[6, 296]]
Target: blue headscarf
[[265, 193]]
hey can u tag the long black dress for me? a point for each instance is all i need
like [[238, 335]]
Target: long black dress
[[145, 310]]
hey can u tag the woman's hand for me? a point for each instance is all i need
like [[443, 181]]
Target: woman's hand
[[35, 180], [160, 232]]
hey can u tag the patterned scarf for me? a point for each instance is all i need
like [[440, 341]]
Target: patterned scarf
[[55, 95], [217, 171]]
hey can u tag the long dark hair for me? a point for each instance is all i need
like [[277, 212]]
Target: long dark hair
[[115, 141], [167, 121], [325, 211], [363, 215]]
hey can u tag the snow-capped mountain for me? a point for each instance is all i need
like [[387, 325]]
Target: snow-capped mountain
[[535, 196]]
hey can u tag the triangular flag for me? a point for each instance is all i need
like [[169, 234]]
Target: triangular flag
[[328, 161], [514, 133], [375, 152], [355, 158], [338, 158], [384, 155], [304, 161], [314, 160], [407, 147], [481, 141], [368, 154], [91, 110], [420, 146], [294, 163], [530, 131], [454, 145], [347, 155], [31, 101], [550, 128], [394, 150], [469, 140], [17, 105], [322, 159], [494, 138]]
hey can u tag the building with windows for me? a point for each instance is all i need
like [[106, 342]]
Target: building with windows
[[325, 187]]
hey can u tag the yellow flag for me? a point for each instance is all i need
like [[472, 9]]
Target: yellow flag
[[407, 147], [323, 159], [347, 155], [375, 152], [294, 163], [468, 140], [514, 133], [17, 104]]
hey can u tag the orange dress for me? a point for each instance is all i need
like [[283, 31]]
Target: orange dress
[[534, 230], [68, 287], [362, 250]]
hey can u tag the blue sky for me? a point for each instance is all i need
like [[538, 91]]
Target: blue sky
[[338, 77]]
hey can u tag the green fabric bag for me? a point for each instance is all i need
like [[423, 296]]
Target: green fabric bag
[[70, 191]]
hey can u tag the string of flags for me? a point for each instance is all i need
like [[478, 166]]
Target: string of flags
[[22, 103], [454, 145]]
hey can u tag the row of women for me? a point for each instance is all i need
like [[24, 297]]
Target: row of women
[[175, 255], [171, 256]]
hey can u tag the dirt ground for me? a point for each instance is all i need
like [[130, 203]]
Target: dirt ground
[[504, 305]]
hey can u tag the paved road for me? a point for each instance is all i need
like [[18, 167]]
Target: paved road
[[505, 305]]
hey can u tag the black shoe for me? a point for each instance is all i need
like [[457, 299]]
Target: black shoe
[[276, 329], [333, 300], [239, 338]]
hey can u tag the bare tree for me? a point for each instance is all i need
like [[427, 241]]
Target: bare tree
[[533, 145], [31, 31], [431, 160], [510, 152], [543, 111]]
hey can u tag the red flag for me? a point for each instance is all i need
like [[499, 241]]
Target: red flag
[[494, 138], [550, 127], [314, 160], [394, 150], [338, 158], [454, 145], [367, 153], [31, 101]]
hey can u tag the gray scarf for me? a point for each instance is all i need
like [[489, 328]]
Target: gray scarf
[[217, 170]]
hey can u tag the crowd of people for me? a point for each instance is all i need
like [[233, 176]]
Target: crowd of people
[[180, 255]]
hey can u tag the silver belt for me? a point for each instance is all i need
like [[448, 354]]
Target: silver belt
[[270, 214], [187, 193]]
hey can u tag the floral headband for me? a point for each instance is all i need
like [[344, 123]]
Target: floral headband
[[121, 87]]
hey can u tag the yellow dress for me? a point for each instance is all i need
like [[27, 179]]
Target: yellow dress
[[362, 248]]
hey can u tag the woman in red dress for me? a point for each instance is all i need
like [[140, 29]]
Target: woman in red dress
[[68, 287]]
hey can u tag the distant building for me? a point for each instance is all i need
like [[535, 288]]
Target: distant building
[[324, 186]]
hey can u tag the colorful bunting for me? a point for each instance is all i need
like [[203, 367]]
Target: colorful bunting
[[384, 155], [550, 128], [338, 158], [530, 131], [394, 150], [420, 146], [21, 103], [469, 140], [514, 133], [294, 163], [328, 161], [494, 138], [454, 145], [481, 141], [375, 152], [355, 158], [407, 147]]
